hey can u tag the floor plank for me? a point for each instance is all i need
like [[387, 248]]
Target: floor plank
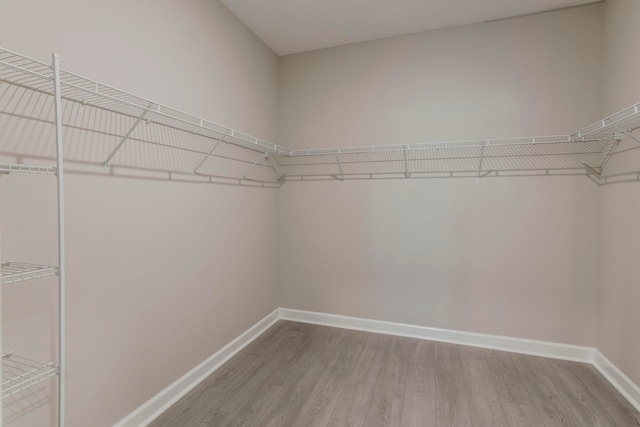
[[551, 406], [506, 378], [284, 410], [585, 407], [192, 416], [302, 374], [452, 407], [254, 404], [419, 403], [335, 422], [521, 415], [353, 402], [484, 405], [617, 406], [385, 408], [371, 357], [322, 401]]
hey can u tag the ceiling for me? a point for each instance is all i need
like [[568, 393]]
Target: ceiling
[[292, 26]]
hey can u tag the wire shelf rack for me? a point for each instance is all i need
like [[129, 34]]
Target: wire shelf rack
[[13, 272], [20, 373], [7, 168], [127, 131], [504, 157], [627, 121], [137, 133], [33, 74]]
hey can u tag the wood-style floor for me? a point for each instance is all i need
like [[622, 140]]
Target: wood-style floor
[[306, 375]]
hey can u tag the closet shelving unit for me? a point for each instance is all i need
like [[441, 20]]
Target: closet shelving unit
[[124, 131], [137, 133], [19, 372]]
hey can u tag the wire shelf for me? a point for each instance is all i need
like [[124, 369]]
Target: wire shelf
[[504, 157], [33, 74], [20, 373], [13, 272], [130, 132], [626, 120], [22, 168]]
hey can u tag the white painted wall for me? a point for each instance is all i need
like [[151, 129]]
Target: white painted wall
[[514, 257], [160, 274], [619, 245]]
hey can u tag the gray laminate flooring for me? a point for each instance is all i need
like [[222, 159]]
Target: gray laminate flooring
[[298, 374]]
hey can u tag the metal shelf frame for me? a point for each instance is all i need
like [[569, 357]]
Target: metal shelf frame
[[585, 152], [20, 373], [13, 272], [7, 168]]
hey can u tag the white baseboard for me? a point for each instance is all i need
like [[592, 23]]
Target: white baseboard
[[163, 400], [170, 395], [494, 342], [625, 386]]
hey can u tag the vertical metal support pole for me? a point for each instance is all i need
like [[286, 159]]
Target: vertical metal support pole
[[62, 321]]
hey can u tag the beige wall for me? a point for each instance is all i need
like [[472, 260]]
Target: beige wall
[[161, 274], [619, 245], [515, 257]]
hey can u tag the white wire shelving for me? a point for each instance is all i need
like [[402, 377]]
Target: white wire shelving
[[7, 168], [20, 373], [217, 153], [143, 134], [33, 80], [199, 143], [548, 155], [13, 272]]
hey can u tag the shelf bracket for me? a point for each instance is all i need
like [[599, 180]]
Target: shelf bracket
[[609, 154], [340, 168], [262, 156], [593, 174], [481, 159], [270, 162], [626, 132], [126, 136], [209, 154], [407, 175]]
